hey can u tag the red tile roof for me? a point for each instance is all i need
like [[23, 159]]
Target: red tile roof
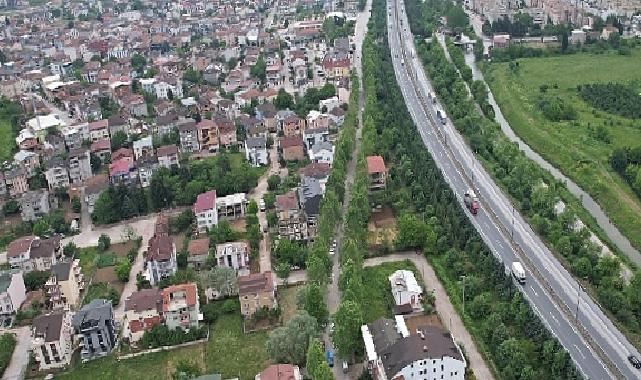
[[278, 372], [19, 246], [290, 141], [119, 166], [205, 201], [99, 145], [166, 150], [375, 164], [191, 294]]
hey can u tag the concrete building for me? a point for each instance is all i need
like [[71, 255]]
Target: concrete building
[[232, 206], [95, 329], [12, 292], [143, 147], [52, 340], [197, 251], [143, 310], [34, 204], [168, 156], [161, 258], [256, 291], [256, 151], [407, 293], [393, 352], [64, 285], [206, 211], [180, 306], [56, 173], [233, 255], [79, 165], [30, 253]]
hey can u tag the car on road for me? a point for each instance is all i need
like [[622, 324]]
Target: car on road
[[329, 355], [345, 367], [332, 251], [634, 361], [261, 205]]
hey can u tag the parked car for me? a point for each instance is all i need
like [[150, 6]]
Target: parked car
[[329, 355], [345, 367], [634, 361]]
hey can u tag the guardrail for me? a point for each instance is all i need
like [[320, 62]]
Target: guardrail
[[562, 306]]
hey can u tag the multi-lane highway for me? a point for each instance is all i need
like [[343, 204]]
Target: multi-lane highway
[[597, 347]]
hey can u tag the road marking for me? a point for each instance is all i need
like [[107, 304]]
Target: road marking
[[553, 317], [534, 291]]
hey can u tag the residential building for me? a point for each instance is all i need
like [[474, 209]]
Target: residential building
[[322, 153], [117, 124], [292, 148], [27, 160], [256, 291], [166, 124], [122, 171], [226, 132], [407, 293], [292, 221], [64, 285], [233, 255], [160, 258], [319, 171], [168, 156], [74, 135], [99, 130], [143, 310], [197, 251], [56, 173], [206, 211], [393, 352], [310, 196], [12, 292], [93, 188], [256, 151], [95, 329], [180, 306], [16, 181], [102, 149], [208, 136], [32, 253], [34, 204], [52, 340], [79, 165], [293, 126], [143, 147], [280, 372], [313, 136], [232, 206], [146, 166], [377, 173], [188, 137]]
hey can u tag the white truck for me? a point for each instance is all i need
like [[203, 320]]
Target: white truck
[[518, 272], [441, 116]]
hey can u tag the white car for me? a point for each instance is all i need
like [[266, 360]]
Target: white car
[[332, 251], [261, 205]]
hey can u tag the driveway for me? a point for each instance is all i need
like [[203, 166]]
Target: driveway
[[20, 357]]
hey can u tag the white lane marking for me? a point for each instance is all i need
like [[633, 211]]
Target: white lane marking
[[580, 352], [555, 320], [534, 291]]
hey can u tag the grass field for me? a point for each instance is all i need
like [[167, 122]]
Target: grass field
[[287, 301], [228, 352], [6, 140], [570, 145], [379, 298]]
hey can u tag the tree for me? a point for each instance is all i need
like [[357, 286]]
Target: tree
[[122, 270], [315, 304], [288, 344], [347, 333], [282, 270], [252, 207], [76, 206], [35, 280], [119, 140], [186, 370], [259, 69], [412, 232], [11, 207], [317, 367], [104, 242], [283, 100], [222, 279], [41, 228], [181, 259], [70, 249], [273, 182]]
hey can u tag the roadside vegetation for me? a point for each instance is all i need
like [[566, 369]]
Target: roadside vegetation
[[7, 345]]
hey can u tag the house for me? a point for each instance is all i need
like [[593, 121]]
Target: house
[[52, 340], [143, 147], [79, 165], [166, 124], [95, 329], [256, 151], [12, 292], [233, 255], [102, 149], [310, 196], [40, 125], [122, 171], [329, 104], [293, 125], [292, 148], [143, 310], [377, 173], [280, 372], [232, 206], [292, 221], [146, 167], [95, 186], [256, 291], [64, 285], [34, 204], [29, 161], [32, 253], [322, 153], [16, 181], [168, 156], [319, 171], [197, 252], [226, 132], [316, 120], [188, 137], [74, 135], [160, 258], [313, 136], [180, 306], [208, 136], [206, 211], [117, 124], [56, 173], [99, 130], [266, 112], [407, 293], [393, 352], [336, 64], [337, 116]]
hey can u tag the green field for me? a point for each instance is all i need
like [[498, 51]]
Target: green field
[[572, 146], [6, 140], [228, 352]]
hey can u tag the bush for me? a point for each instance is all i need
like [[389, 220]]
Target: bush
[[7, 345], [160, 335], [104, 242], [35, 280], [70, 249], [231, 306], [122, 270]]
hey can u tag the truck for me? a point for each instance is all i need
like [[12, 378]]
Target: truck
[[518, 272], [441, 116], [431, 97], [329, 355], [471, 201]]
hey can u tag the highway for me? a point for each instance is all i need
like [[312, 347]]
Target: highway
[[597, 347]]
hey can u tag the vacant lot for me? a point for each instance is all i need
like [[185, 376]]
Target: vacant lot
[[287, 301], [573, 146]]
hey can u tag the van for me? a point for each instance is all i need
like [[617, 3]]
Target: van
[[345, 367], [518, 272]]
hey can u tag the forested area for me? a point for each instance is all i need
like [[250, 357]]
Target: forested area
[[616, 98], [535, 193], [505, 328], [627, 162]]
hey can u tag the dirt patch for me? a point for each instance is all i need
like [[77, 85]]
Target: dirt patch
[[178, 240], [287, 301], [121, 249], [383, 218], [106, 275], [238, 225], [381, 229], [415, 321]]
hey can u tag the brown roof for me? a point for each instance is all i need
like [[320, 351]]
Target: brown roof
[[45, 247], [146, 299], [166, 150], [161, 248], [278, 372], [19, 246], [191, 293], [316, 170], [198, 247], [375, 164], [48, 326], [287, 201], [290, 141], [255, 283], [100, 124]]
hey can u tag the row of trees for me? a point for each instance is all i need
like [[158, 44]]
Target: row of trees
[[504, 325], [536, 192], [616, 98]]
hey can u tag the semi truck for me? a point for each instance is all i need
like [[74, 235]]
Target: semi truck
[[518, 272], [471, 201]]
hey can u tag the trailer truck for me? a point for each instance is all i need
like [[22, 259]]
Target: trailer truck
[[518, 272], [471, 202]]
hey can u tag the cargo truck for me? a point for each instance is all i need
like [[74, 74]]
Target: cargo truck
[[518, 272], [471, 202]]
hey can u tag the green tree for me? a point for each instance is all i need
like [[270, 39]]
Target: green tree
[[104, 242], [122, 270], [138, 62], [412, 232], [70, 249], [317, 367], [76, 206], [41, 228], [35, 280], [252, 207], [186, 370], [347, 333], [119, 140], [273, 182], [258, 70], [288, 344], [315, 304], [283, 100], [222, 279]]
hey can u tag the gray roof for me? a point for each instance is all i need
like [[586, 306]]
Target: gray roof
[[322, 145], [96, 310], [310, 195], [61, 270], [256, 142], [48, 326]]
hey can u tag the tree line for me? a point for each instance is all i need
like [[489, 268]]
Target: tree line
[[616, 98]]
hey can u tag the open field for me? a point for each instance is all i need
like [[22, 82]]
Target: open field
[[573, 146], [228, 352], [287, 301], [6, 140]]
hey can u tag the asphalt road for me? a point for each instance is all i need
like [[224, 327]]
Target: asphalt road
[[598, 348]]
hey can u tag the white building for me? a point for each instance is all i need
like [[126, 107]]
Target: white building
[[12, 291], [405, 289], [161, 258], [143, 147], [205, 210], [395, 353], [256, 151], [322, 153], [232, 206], [233, 255], [52, 340]]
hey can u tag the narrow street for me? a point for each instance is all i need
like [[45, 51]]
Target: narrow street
[[20, 357]]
